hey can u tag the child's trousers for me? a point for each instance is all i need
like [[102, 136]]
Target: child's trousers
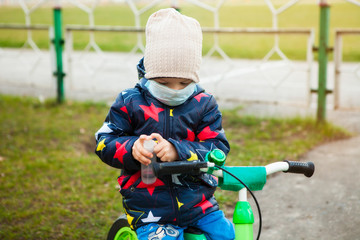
[[214, 225]]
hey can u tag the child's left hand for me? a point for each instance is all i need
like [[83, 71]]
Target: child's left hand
[[164, 150]]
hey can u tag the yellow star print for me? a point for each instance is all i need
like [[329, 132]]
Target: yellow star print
[[101, 145], [129, 219], [171, 112], [193, 157], [179, 203]]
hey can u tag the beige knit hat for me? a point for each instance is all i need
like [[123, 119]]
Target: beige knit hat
[[173, 46]]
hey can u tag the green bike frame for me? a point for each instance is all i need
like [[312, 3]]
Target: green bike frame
[[190, 236], [255, 179], [243, 218]]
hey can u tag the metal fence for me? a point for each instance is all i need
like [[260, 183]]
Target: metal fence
[[92, 70], [341, 95]]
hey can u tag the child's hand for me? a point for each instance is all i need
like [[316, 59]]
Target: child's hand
[[139, 152], [164, 150]]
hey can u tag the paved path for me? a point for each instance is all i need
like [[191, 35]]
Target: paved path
[[326, 206]]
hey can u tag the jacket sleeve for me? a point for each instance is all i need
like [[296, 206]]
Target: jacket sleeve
[[114, 140], [209, 135]]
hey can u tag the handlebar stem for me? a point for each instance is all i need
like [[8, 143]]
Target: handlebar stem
[[276, 167], [243, 195]]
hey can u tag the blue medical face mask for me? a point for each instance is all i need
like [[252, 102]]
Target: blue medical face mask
[[170, 96]]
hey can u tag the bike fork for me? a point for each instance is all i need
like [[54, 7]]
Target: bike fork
[[243, 218]]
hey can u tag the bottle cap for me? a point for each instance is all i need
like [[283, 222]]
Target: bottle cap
[[149, 145]]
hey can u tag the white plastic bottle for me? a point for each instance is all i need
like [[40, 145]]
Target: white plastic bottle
[[147, 173]]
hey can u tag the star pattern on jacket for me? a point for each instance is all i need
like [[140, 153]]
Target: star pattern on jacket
[[131, 181], [150, 218], [124, 109], [151, 112], [175, 179], [193, 157], [199, 96], [104, 129], [101, 145], [120, 151], [135, 177], [179, 203], [204, 204], [131, 220], [151, 187], [126, 95], [190, 135], [206, 133], [202, 152]]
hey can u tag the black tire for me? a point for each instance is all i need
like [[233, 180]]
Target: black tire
[[121, 224]]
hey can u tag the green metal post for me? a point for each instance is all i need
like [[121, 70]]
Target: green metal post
[[323, 59], [59, 42]]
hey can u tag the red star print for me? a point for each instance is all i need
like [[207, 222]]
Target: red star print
[[121, 179], [190, 135], [199, 96], [206, 133], [151, 112], [120, 151], [124, 109], [131, 181], [151, 187], [204, 204]]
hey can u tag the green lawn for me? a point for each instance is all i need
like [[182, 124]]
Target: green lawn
[[53, 186], [301, 15]]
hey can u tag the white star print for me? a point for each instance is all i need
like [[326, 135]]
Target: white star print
[[175, 179], [203, 152], [103, 129], [150, 218], [128, 95]]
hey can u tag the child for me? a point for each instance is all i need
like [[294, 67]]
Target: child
[[167, 105]]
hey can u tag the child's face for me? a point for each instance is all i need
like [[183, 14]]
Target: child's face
[[174, 83]]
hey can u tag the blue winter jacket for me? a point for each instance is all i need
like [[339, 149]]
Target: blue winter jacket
[[194, 128]]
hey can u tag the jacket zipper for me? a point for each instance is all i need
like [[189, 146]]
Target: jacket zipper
[[173, 191], [167, 122]]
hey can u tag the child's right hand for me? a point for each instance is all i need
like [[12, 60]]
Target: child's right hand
[[139, 152]]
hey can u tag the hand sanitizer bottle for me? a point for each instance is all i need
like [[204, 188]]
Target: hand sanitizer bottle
[[147, 173]]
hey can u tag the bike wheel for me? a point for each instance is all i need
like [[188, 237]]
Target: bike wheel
[[120, 230]]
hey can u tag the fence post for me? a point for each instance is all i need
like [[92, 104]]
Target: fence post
[[59, 42], [337, 63], [323, 59]]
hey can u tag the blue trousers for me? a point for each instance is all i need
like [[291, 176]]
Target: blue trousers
[[214, 225]]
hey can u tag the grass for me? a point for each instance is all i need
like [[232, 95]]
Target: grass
[[53, 186], [237, 46]]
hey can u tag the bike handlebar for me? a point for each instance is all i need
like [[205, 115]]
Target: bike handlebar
[[167, 168], [193, 167], [307, 168]]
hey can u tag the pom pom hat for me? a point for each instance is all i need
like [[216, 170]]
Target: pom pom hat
[[173, 46]]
